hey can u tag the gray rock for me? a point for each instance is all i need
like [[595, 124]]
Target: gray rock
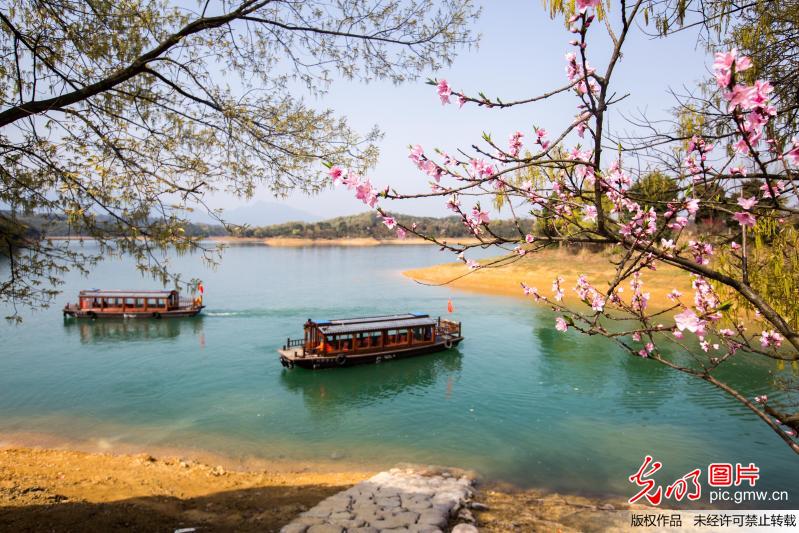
[[465, 528], [393, 501], [365, 507], [477, 506], [465, 515], [294, 528], [452, 499], [325, 528], [409, 516], [417, 500], [317, 512], [308, 521], [418, 506], [393, 522], [424, 529], [349, 524], [433, 517]]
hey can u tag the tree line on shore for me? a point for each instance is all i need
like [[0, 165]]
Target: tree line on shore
[[363, 225]]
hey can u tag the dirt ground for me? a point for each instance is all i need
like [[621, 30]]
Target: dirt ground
[[540, 269], [528, 511], [60, 490]]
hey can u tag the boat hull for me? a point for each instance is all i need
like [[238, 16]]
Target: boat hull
[[292, 358], [92, 314]]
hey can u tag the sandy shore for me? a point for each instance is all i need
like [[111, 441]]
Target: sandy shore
[[539, 270], [64, 490], [67, 490]]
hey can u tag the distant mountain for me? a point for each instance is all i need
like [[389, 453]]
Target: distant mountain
[[260, 214]]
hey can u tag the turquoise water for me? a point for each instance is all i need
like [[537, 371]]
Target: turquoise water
[[517, 401]]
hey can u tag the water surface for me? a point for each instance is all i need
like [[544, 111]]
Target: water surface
[[516, 401]]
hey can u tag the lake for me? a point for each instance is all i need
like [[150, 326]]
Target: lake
[[516, 401]]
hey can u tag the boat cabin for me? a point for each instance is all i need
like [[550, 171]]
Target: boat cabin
[[361, 335], [128, 301], [351, 341]]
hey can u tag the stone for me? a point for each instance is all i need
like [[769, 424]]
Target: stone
[[392, 522], [477, 506], [452, 499], [349, 524], [294, 528], [465, 515], [325, 528], [409, 516], [465, 528], [393, 501], [433, 517], [360, 505], [418, 506], [413, 500], [317, 512], [425, 529], [607, 507], [308, 521]]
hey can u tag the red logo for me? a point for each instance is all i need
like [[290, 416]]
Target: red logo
[[688, 486]]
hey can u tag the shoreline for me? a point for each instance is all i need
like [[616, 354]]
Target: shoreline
[[540, 269], [60, 488], [298, 242], [242, 463]]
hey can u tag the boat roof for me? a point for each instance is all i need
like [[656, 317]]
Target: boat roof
[[96, 293], [352, 325], [365, 319]]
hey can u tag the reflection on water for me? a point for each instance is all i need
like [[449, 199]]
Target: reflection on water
[[111, 330], [332, 390]]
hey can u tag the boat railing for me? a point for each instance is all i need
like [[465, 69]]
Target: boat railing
[[449, 328], [294, 343], [187, 302]]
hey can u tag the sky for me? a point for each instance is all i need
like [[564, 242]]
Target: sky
[[521, 54]]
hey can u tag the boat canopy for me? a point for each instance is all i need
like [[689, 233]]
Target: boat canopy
[[379, 323], [126, 294]]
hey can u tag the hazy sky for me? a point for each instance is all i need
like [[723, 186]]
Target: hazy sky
[[521, 54]]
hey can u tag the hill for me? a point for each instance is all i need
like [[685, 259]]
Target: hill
[[364, 225], [370, 225]]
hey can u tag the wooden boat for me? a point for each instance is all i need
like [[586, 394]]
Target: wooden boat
[[354, 341], [133, 304]]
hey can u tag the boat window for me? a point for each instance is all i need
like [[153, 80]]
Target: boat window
[[397, 336], [343, 343], [368, 339], [422, 333]]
